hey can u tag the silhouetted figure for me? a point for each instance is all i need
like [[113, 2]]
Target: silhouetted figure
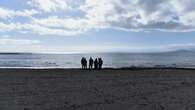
[[100, 63], [96, 64], [90, 63], [84, 63]]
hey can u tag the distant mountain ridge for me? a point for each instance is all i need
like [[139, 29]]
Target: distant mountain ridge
[[183, 50]]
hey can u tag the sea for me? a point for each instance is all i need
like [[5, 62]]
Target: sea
[[177, 59]]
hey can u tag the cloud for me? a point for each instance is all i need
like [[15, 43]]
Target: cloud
[[54, 5], [48, 5], [52, 17], [8, 13], [142, 14], [8, 27], [16, 42], [42, 30], [4, 27]]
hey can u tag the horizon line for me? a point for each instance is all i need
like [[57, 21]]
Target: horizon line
[[95, 52]]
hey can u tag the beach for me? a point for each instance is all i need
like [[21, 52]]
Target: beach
[[108, 89]]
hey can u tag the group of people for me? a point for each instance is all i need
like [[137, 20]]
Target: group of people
[[96, 64]]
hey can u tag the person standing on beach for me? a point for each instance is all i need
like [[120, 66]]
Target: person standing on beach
[[85, 63], [90, 63], [96, 64], [82, 62], [100, 63]]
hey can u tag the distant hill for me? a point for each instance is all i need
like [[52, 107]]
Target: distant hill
[[183, 51]]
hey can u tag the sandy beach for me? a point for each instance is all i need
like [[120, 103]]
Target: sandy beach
[[58, 89]]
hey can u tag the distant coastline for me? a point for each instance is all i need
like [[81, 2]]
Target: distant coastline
[[111, 52]]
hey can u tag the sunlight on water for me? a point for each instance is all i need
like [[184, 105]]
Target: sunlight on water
[[115, 60]]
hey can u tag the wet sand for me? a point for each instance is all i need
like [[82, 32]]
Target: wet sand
[[55, 89]]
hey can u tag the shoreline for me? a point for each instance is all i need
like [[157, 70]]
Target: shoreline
[[109, 68]]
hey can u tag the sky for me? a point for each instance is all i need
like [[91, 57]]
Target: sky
[[71, 26]]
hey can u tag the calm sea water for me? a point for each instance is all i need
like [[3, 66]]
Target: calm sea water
[[181, 59]]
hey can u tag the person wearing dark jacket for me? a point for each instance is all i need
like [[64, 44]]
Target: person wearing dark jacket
[[91, 63], [84, 63], [100, 63], [96, 64]]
